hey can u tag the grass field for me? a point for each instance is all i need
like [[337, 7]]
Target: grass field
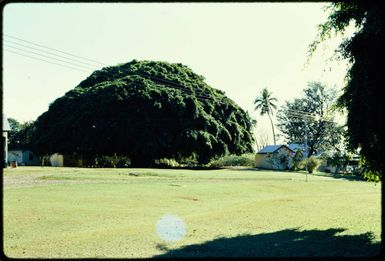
[[76, 213]]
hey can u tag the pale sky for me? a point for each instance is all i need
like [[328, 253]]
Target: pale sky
[[239, 48]]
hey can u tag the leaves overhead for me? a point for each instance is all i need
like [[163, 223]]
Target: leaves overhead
[[145, 110], [363, 93]]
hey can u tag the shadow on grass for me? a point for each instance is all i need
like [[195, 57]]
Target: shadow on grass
[[331, 175], [340, 176], [284, 243], [249, 168], [322, 174]]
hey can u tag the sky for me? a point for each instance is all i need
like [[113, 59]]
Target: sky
[[239, 48]]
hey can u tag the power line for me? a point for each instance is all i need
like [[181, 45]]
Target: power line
[[19, 39], [76, 69], [188, 92], [176, 84], [45, 56], [198, 94], [86, 64], [43, 51], [306, 115]]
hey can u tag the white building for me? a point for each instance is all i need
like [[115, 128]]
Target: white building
[[23, 157], [6, 129], [273, 157]]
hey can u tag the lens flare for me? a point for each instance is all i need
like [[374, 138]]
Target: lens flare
[[170, 228]]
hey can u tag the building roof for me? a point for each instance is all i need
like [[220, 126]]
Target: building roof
[[296, 146], [6, 126], [301, 148], [272, 149]]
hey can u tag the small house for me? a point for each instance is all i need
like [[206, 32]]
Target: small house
[[23, 157], [274, 157], [341, 164]]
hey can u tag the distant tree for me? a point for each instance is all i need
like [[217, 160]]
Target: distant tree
[[14, 124], [146, 111], [265, 104], [321, 134], [20, 134], [363, 95], [15, 128]]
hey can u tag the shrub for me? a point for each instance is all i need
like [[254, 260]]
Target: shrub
[[366, 172], [45, 160], [123, 162], [302, 164], [112, 162], [297, 162], [191, 161], [103, 162], [312, 164], [216, 164], [233, 160], [371, 175], [164, 162]]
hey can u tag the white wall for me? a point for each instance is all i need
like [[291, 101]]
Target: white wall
[[56, 160]]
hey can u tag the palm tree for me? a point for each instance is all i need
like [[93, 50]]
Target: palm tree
[[265, 104]]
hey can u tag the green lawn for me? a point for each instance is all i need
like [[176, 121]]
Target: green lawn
[[75, 213]]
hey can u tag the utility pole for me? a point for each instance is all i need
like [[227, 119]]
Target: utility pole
[[306, 147], [306, 116]]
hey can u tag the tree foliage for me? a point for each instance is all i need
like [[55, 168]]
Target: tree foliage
[[20, 135], [15, 128], [363, 93], [144, 110], [321, 135]]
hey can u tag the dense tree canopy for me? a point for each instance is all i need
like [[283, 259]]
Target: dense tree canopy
[[144, 110], [311, 117], [363, 95]]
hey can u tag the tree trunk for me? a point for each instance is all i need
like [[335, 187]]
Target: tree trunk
[[256, 138], [272, 127]]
